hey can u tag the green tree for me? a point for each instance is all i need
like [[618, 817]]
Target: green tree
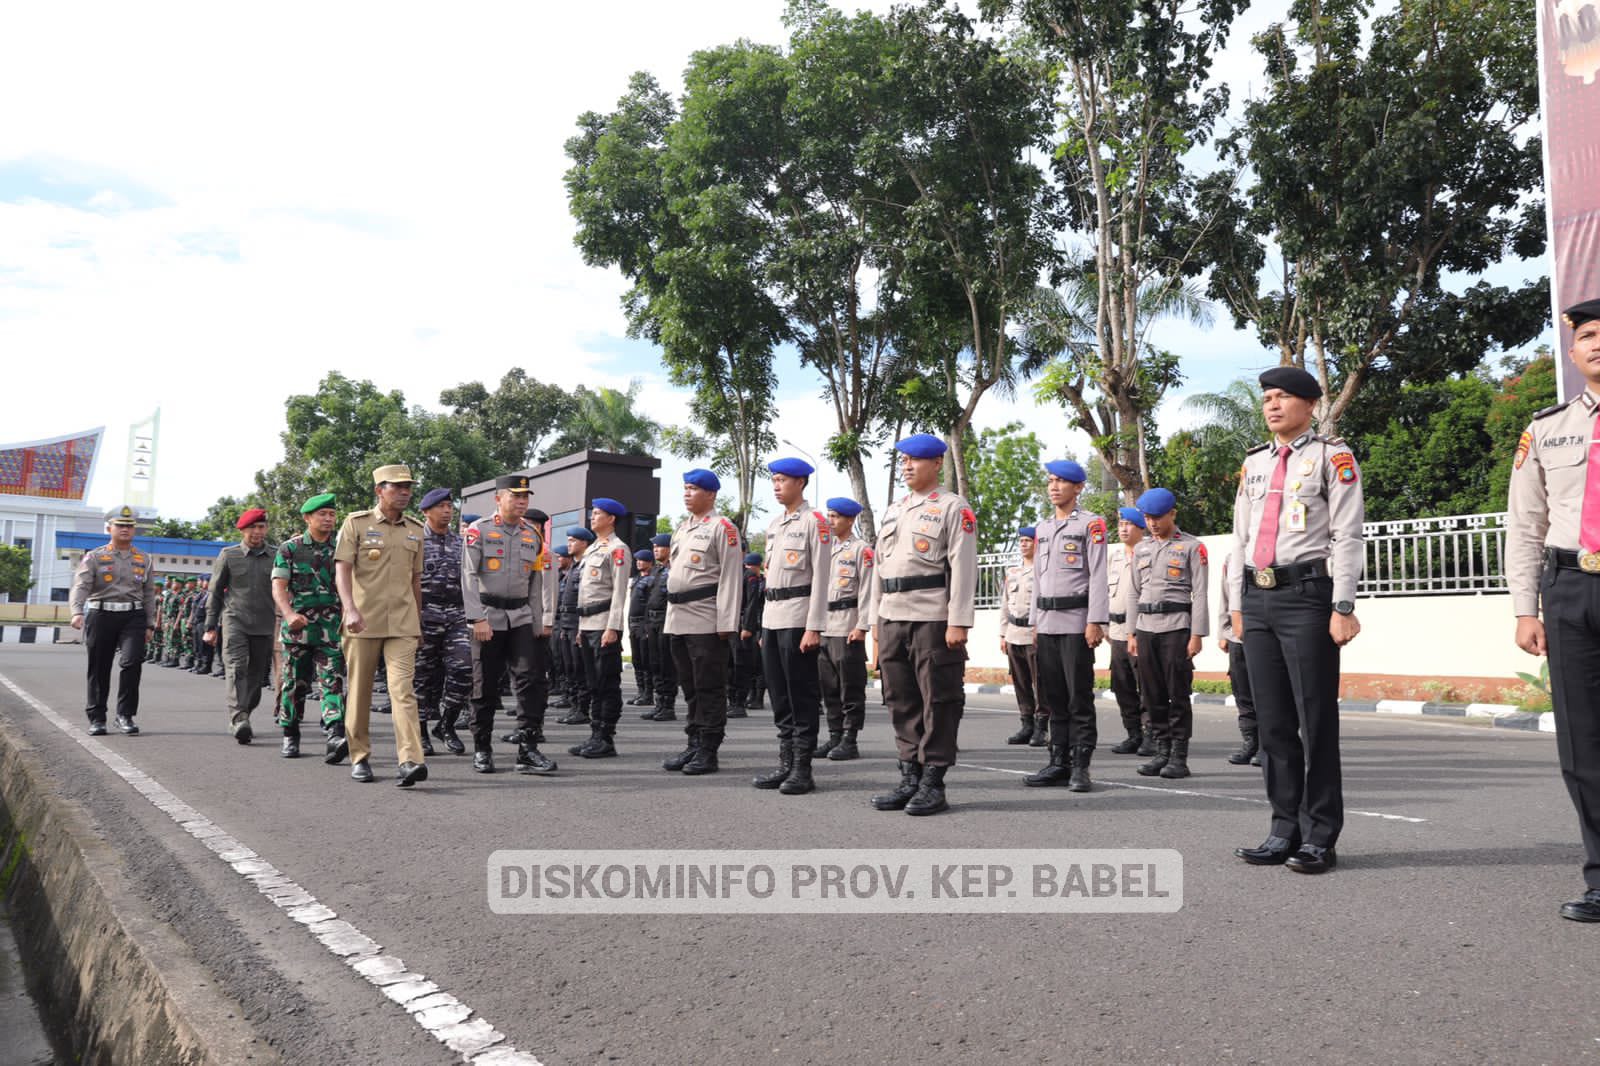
[[1434, 456], [221, 517], [515, 420], [1525, 390], [1007, 484], [181, 528], [604, 420], [16, 568], [443, 451]]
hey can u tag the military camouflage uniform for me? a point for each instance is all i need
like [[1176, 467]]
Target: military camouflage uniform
[[443, 678], [308, 568], [170, 597]]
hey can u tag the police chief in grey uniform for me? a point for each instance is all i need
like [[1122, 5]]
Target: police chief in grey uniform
[[113, 601]]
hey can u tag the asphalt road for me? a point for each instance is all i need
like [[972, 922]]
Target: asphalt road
[[1437, 939]]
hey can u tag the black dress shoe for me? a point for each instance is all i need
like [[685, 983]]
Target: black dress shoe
[[1311, 859], [361, 772], [1586, 909], [97, 727], [127, 726], [1274, 851], [483, 762], [410, 773], [338, 747], [291, 747], [242, 733]]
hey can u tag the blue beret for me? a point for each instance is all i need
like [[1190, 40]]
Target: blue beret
[[468, 519], [922, 446], [432, 498], [1132, 514], [1157, 502], [645, 553], [1293, 380], [661, 540], [1067, 470], [608, 505], [791, 467], [702, 479], [844, 505], [1028, 531], [753, 559], [561, 549], [582, 533]]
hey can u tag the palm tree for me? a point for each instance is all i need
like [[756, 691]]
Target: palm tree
[[1233, 420], [604, 420]]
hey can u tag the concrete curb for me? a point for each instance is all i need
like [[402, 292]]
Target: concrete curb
[[117, 982]]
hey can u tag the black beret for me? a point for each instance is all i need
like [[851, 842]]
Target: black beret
[[1293, 380], [1578, 314]]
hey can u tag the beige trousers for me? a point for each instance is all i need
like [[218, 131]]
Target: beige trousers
[[360, 661]]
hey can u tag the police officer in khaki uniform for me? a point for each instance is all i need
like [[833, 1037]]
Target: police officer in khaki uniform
[[1124, 669], [1016, 643], [1553, 561], [923, 596], [1167, 589], [665, 673], [1231, 644], [796, 612], [704, 577], [602, 605], [1294, 569], [113, 601], [842, 666], [378, 567], [510, 599], [1071, 606]]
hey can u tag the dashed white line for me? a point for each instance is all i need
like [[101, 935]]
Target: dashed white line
[[441, 1015], [1167, 790]]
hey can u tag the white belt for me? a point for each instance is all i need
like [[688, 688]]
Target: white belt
[[110, 605]]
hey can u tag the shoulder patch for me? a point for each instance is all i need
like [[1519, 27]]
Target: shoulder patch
[[1524, 445], [1097, 530], [1551, 410], [866, 556], [1344, 465], [1263, 446], [473, 533], [1200, 550], [732, 532], [969, 521]]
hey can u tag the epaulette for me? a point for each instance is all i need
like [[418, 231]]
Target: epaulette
[[1551, 410], [1337, 442], [360, 514], [1263, 446], [413, 520]]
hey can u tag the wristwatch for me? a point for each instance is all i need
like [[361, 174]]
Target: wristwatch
[[1345, 607]]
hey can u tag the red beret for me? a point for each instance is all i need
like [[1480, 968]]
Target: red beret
[[251, 517]]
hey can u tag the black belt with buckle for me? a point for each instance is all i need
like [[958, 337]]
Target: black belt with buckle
[[1120, 619], [793, 592], [1270, 577], [847, 604], [912, 584], [1062, 603], [704, 592], [590, 612], [1014, 620], [1588, 562], [1169, 607], [504, 603]]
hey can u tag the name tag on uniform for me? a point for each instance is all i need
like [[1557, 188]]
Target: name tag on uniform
[[1297, 517]]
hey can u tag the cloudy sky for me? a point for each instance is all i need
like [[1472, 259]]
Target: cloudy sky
[[205, 207]]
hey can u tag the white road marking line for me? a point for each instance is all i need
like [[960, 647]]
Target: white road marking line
[[1168, 791], [440, 1014]]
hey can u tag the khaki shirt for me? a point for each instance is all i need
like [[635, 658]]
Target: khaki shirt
[[705, 554], [603, 584], [1070, 560], [1119, 557], [1225, 611], [851, 579], [106, 574], [1546, 496], [510, 564], [386, 563], [927, 536], [1323, 477], [1014, 627], [798, 548], [1170, 571]]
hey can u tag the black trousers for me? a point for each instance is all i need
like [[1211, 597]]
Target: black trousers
[[1066, 687], [520, 652], [566, 643], [1125, 685], [842, 673], [749, 668], [1294, 678], [1166, 681], [1239, 680], [639, 648], [700, 662], [664, 660], [794, 686], [107, 636], [923, 687], [1024, 662], [1572, 631], [602, 671]]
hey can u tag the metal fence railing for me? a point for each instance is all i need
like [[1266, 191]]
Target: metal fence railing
[[1416, 557]]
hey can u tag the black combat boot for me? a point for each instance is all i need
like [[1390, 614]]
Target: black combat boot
[[897, 798], [338, 745], [576, 716], [445, 730], [560, 703], [738, 707], [846, 748], [1129, 746], [650, 709], [828, 745], [1178, 762], [1158, 760], [930, 794], [601, 746], [1248, 747], [774, 778], [1054, 773], [663, 712], [291, 742], [677, 762], [799, 781], [1079, 781], [427, 741], [1147, 743], [757, 700], [1041, 733], [1024, 732], [593, 738], [530, 760], [705, 756]]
